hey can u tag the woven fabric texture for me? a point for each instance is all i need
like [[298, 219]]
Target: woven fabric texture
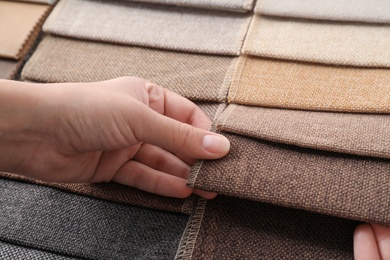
[[48, 219], [231, 228], [339, 43], [329, 183], [195, 76], [288, 84], [358, 134], [7, 68], [19, 23], [159, 26], [377, 11], [231, 5], [11, 251]]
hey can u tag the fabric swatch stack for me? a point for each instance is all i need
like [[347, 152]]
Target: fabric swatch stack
[[20, 24], [301, 88]]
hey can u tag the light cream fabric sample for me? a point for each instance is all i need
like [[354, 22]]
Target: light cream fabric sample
[[358, 134], [289, 84], [159, 26], [315, 41], [195, 76], [231, 5], [17, 23], [375, 11]]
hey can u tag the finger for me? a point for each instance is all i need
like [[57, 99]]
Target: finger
[[140, 176], [364, 243], [205, 194], [382, 235], [162, 160]]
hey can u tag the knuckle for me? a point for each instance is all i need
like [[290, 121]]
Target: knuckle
[[185, 134]]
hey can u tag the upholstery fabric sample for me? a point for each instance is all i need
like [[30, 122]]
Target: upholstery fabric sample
[[19, 22], [328, 183], [50, 2], [195, 76], [231, 5], [359, 134], [337, 43], [231, 228], [10, 251], [128, 195], [159, 26], [377, 11], [55, 221], [290, 84], [7, 68]]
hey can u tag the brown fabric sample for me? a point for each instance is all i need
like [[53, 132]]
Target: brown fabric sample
[[195, 76], [50, 2], [158, 26], [359, 134], [124, 194], [19, 23], [7, 68], [231, 228], [329, 183], [340, 43], [289, 84]]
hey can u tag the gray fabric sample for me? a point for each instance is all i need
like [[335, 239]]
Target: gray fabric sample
[[56, 221]]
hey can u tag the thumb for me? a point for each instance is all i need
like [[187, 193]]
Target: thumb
[[180, 138]]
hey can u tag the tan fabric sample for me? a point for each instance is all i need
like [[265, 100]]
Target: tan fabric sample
[[7, 68], [18, 21], [329, 183], [159, 26], [123, 194], [231, 5], [231, 228], [289, 84], [358, 134], [339, 43], [375, 11], [196, 76]]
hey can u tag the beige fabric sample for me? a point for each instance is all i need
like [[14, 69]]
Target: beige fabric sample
[[18, 21], [338, 43], [231, 5], [159, 26], [232, 228], [7, 68], [289, 84], [196, 76], [375, 11], [334, 184], [359, 134]]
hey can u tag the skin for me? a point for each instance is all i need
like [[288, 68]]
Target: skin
[[125, 130]]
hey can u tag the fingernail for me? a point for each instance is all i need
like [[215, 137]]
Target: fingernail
[[216, 144]]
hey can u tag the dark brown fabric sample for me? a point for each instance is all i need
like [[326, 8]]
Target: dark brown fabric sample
[[232, 228], [123, 194], [195, 76], [329, 183], [359, 134]]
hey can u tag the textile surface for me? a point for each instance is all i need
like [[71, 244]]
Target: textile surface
[[51, 220], [359, 134], [289, 84], [329, 183], [337, 43], [159, 26], [232, 5], [7, 68], [50, 2], [18, 23], [10, 251], [231, 228], [195, 76], [377, 11]]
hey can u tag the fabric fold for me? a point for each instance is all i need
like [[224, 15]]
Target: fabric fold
[[195, 76], [231, 228], [358, 134], [230, 5], [158, 26], [323, 182], [20, 25], [11, 251], [338, 43], [377, 11], [296, 85]]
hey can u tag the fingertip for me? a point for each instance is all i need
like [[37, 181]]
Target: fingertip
[[365, 246], [205, 194], [216, 144]]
